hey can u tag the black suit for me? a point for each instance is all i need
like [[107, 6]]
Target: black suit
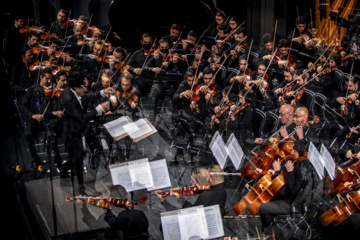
[[75, 118]]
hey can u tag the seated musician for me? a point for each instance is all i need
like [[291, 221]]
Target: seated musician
[[173, 36], [59, 26], [238, 47], [187, 45], [74, 44], [266, 52], [35, 108], [202, 177], [216, 61], [92, 64], [297, 35], [117, 62], [281, 204], [103, 88], [242, 77], [199, 61], [211, 30], [128, 96], [33, 40], [285, 86], [136, 62]]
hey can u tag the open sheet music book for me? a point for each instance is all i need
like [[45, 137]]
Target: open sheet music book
[[316, 160], [124, 126], [140, 174], [235, 151], [116, 127], [219, 149], [192, 223]]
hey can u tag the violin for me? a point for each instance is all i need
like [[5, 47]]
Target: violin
[[62, 55], [195, 96], [128, 96], [238, 49], [348, 103], [121, 65], [30, 29], [197, 63], [38, 65], [349, 57], [348, 206], [104, 202], [327, 71], [49, 36], [299, 94], [180, 191]]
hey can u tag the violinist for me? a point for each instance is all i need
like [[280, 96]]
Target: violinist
[[188, 44], [298, 34], [216, 60], [174, 35], [77, 48], [33, 41], [223, 35], [296, 97], [212, 30], [241, 78], [284, 58], [238, 47], [21, 77], [184, 105], [202, 177], [131, 221], [59, 26], [199, 59], [33, 107], [266, 52], [233, 23], [94, 62], [285, 86], [345, 103], [329, 80], [312, 41], [103, 88], [128, 95], [14, 41]]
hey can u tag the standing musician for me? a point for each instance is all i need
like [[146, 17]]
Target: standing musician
[[202, 177], [143, 78], [21, 76], [34, 107], [76, 117]]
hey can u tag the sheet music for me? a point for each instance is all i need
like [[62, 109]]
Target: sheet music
[[235, 151], [140, 128], [219, 149], [214, 221], [192, 223], [328, 161], [140, 173], [316, 160], [120, 175], [116, 127], [160, 175], [170, 225]]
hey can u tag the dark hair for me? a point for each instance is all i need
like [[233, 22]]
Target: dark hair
[[76, 79], [146, 35], [31, 34], [220, 14], [266, 38], [312, 25], [193, 33], [176, 26], [208, 70], [120, 50], [163, 40], [225, 27], [127, 76], [241, 30], [283, 43], [45, 71], [64, 11], [60, 73], [300, 20], [190, 71]]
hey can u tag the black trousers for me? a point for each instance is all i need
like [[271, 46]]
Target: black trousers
[[272, 209], [75, 150]]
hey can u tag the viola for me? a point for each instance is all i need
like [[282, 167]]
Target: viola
[[338, 214], [180, 191]]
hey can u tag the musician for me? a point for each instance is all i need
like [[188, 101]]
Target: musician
[[131, 221], [32, 41], [76, 117], [296, 97], [340, 104], [77, 49], [281, 204], [203, 177], [175, 31], [266, 52], [216, 61], [136, 62], [212, 30], [187, 45], [198, 62], [297, 35], [59, 26], [287, 83], [34, 106], [115, 62], [242, 77], [92, 64], [103, 88], [284, 58], [328, 80], [14, 41], [21, 76], [233, 23], [128, 94], [238, 47]]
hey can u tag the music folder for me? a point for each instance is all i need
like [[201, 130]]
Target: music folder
[[116, 127]]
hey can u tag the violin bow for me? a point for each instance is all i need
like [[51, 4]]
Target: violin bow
[[290, 48], [198, 42], [105, 54], [162, 65], [62, 50], [273, 48], [38, 76], [67, 24]]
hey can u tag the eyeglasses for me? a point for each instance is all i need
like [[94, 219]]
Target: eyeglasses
[[283, 114]]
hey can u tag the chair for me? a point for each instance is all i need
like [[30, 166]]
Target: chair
[[310, 98], [260, 118], [272, 123], [230, 71]]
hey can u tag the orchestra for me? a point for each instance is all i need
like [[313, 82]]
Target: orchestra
[[278, 99]]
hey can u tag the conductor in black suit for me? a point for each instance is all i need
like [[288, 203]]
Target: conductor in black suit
[[76, 116]]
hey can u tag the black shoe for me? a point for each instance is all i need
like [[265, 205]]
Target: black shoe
[[36, 166], [81, 190]]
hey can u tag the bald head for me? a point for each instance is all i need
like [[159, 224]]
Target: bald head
[[216, 178], [301, 115], [286, 113]]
